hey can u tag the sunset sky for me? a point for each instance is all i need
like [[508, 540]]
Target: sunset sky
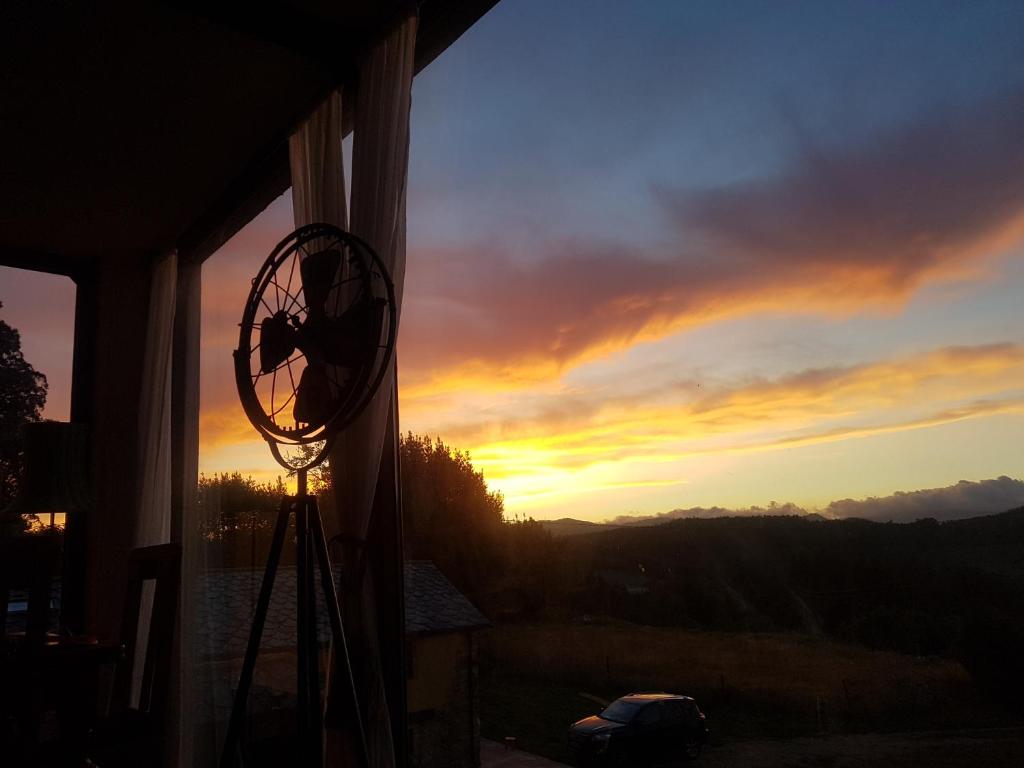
[[688, 254]]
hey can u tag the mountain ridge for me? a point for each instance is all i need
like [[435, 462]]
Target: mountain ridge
[[963, 500]]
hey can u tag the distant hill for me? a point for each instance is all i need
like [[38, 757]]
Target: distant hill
[[951, 588], [962, 500], [568, 526], [909, 587]]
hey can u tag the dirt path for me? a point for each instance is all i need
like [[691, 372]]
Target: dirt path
[[991, 748]]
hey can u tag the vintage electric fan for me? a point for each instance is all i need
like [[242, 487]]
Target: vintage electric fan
[[317, 334]]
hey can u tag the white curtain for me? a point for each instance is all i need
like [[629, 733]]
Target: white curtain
[[380, 157], [153, 517], [318, 172], [380, 163]]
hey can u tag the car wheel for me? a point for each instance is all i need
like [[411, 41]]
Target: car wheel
[[691, 749]]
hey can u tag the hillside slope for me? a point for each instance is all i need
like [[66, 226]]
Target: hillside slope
[[908, 587]]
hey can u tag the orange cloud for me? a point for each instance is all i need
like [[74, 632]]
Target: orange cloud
[[947, 416], [837, 232], [809, 407], [224, 425]]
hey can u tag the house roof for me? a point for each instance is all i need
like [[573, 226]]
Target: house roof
[[433, 604], [227, 599], [132, 128]]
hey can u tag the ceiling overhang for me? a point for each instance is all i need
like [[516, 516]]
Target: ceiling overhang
[[135, 128]]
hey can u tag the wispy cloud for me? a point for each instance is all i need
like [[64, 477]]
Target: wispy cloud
[[224, 424], [963, 376], [571, 444], [837, 231], [564, 444]]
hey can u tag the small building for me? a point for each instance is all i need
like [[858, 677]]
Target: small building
[[443, 699]]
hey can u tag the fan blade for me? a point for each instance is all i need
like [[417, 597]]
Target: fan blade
[[318, 271], [351, 340], [313, 396], [277, 341]]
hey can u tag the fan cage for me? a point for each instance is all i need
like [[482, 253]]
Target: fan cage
[[374, 278]]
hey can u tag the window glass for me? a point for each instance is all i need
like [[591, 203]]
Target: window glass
[[621, 711]]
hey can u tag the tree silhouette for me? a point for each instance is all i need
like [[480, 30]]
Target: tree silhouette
[[236, 518], [511, 567], [449, 514], [22, 397]]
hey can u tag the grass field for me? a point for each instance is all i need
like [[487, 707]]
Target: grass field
[[750, 685]]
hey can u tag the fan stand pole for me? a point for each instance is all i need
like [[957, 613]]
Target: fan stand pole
[[310, 547]]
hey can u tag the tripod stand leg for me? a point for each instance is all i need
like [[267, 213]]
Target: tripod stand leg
[[302, 564], [234, 732], [315, 719], [344, 661]]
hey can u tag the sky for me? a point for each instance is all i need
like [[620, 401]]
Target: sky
[[669, 255]]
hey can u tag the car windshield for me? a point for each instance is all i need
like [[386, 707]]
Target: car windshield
[[621, 711]]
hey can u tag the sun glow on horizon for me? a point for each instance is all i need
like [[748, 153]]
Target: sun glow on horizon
[[644, 448]]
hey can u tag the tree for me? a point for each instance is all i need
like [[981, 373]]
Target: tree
[[318, 478], [22, 397], [537, 568], [236, 519], [449, 514]]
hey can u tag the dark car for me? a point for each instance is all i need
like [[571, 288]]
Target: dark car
[[640, 729]]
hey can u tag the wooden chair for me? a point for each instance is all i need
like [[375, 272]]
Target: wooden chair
[[135, 733]]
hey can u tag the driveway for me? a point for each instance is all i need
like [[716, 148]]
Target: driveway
[[495, 755]]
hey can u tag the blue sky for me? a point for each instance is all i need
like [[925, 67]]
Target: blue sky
[[561, 117]]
